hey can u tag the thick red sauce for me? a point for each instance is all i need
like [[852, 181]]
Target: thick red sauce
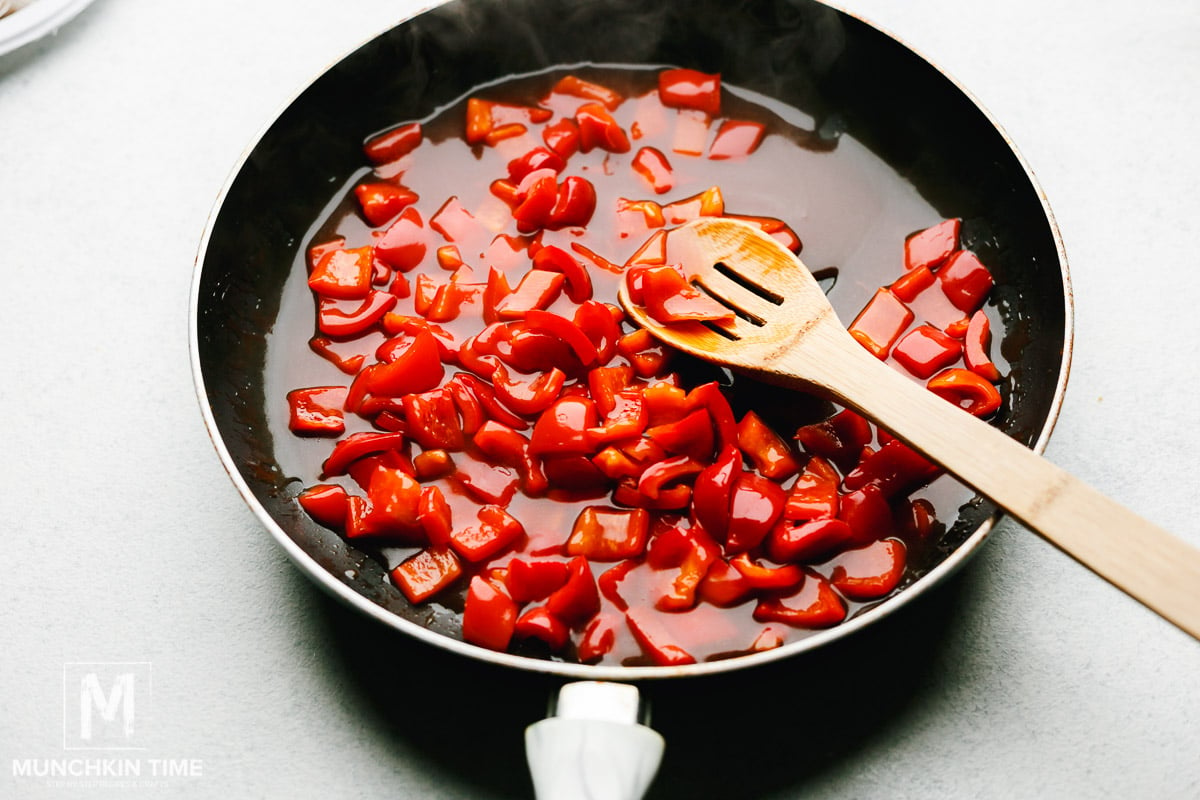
[[851, 211]]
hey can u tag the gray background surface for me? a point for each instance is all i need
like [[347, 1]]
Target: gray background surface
[[124, 541]]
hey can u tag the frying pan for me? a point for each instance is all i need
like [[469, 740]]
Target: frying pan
[[858, 87]]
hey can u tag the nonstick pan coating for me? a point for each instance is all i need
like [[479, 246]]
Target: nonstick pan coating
[[852, 79]]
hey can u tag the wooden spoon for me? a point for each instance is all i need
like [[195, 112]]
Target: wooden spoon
[[787, 333]]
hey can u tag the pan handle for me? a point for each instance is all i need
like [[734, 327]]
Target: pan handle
[[593, 745]]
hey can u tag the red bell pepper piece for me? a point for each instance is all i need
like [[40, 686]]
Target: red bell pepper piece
[[381, 202], [975, 347], [414, 366], [627, 418], [537, 290], [924, 350], [736, 139], [814, 495], [577, 87], [499, 133], [652, 165], [867, 513], [689, 551], [427, 573], [574, 204], [965, 281], [601, 533], [653, 253], [756, 504], [501, 443], [966, 390], [531, 396], [555, 259], [655, 480], [713, 491], [870, 572], [394, 144], [433, 419], [343, 274], [880, 323], [604, 383], [479, 120], [760, 576], [405, 242], [840, 438], [529, 581], [691, 436], [317, 411], [895, 468], [357, 445], [669, 297], [565, 330], [562, 429], [489, 615], [709, 203], [494, 531], [537, 158], [724, 586], [486, 396], [597, 128], [814, 604], [395, 506], [932, 246], [909, 285], [459, 226], [916, 520], [689, 88], [562, 137], [536, 197], [765, 448], [539, 623], [578, 599], [486, 483], [326, 503], [654, 640], [332, 321], [808, 541]]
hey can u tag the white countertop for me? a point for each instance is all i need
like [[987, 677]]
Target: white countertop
[[124, 541]]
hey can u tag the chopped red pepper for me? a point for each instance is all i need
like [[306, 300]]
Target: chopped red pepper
[[383, 201], [895, 468], [333, 321], [489, 615], [538, 289], [433, 419], [930, 247], [669, 297], [924, 350], [394, 144], [655, 641], [326, 503], [574, 204], [528, 581], [770, 453], [689, 88], [967, 390], [343, 274], [965, 281], [317, 411], [870, 572], [427, 573], [601, 533], [562, 137], [577, 87], [597, 128], [840, 438], [975, 347], [652, 165], [404, 243], [539, 623], [577, 600], [814, 604], [494, 531], [808, 541], [357, 445], [555, 259], [562, 428], [414, 365], [880, 323]]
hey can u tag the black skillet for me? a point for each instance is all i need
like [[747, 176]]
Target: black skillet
[[858, 86]]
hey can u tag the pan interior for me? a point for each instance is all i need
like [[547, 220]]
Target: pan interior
[[848, 81]]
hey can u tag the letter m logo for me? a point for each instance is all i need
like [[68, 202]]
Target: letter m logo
[[105, 705]]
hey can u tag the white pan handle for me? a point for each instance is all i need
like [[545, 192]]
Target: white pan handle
[[594, 746]]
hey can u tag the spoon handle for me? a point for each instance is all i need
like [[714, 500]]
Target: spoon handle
[[1143, 560]]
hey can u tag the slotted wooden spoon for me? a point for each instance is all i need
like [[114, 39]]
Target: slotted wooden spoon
[[787, 333]]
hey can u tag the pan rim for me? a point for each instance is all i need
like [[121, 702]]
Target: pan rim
[[327, 581]]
